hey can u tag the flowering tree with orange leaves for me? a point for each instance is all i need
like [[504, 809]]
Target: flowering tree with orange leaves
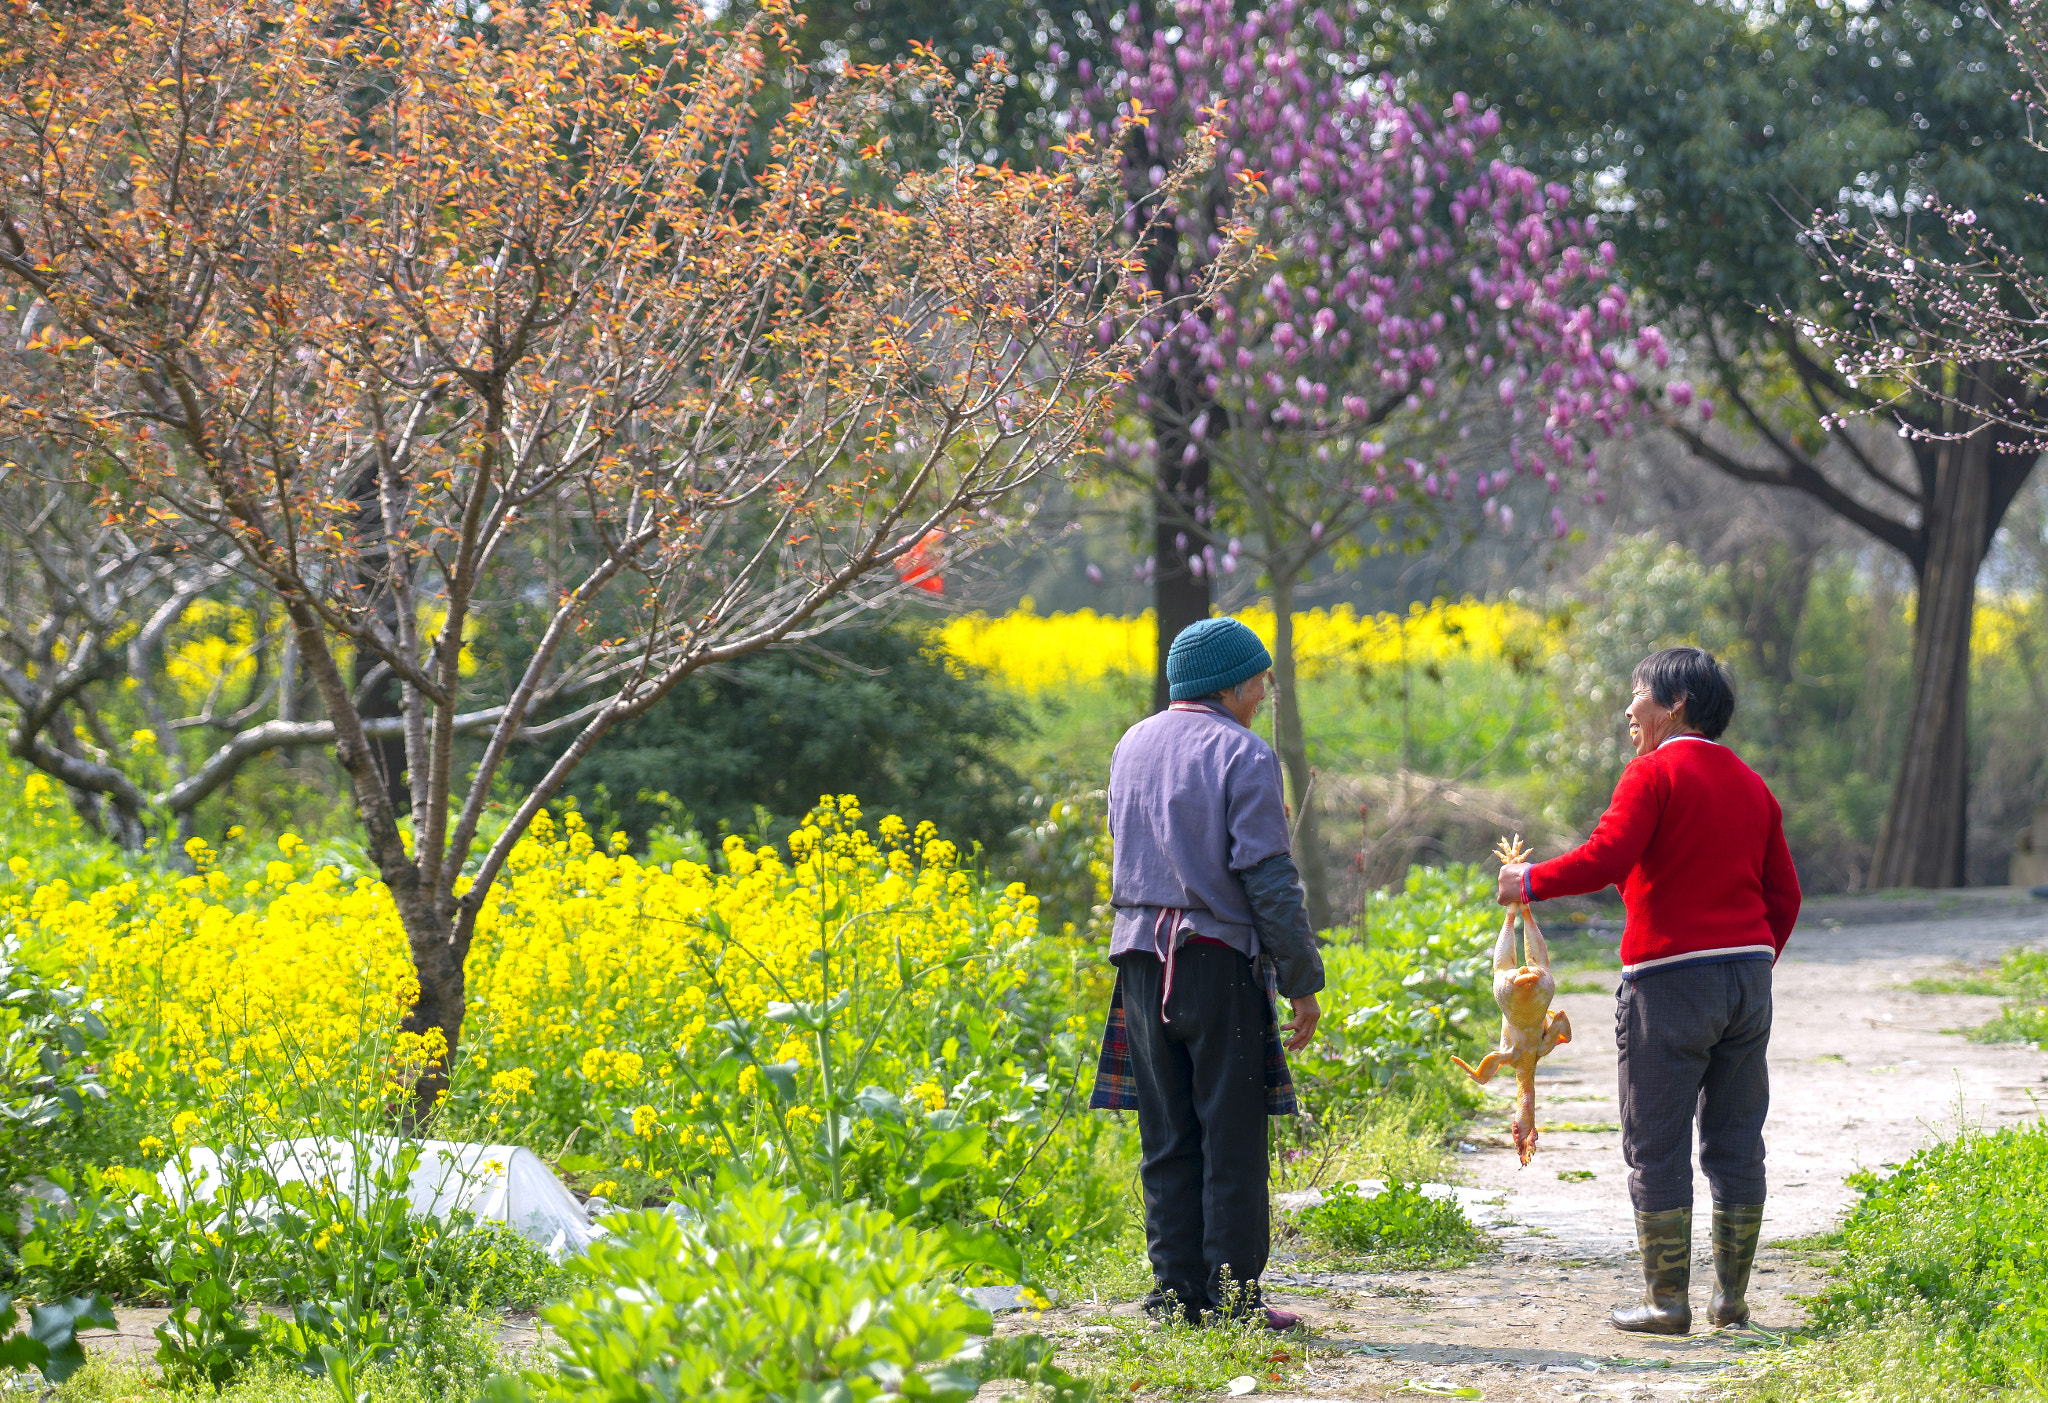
[[349, 303]]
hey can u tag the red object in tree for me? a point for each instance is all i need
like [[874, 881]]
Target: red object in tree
[[918, 566]]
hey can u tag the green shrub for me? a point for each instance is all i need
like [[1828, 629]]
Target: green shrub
[[1959, 1237], [756, 1296], [749, 746], [1398, 1227]]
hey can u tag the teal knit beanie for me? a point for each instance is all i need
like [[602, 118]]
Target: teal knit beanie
[[1212, 655]]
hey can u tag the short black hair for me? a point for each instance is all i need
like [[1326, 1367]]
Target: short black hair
[[1693, 674]]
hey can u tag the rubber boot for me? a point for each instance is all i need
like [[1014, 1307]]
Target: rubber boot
[[1736, 1229], [1666, 1240]]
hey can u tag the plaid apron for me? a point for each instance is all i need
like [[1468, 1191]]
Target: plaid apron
[[1116, 1083]]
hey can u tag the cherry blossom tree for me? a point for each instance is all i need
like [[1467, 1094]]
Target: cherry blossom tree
[[355, 310], [1428, 326]]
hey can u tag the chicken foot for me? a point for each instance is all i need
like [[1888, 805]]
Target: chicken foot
[[1529, 1028]]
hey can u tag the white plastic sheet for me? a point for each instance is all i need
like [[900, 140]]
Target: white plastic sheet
[[493, 1183]]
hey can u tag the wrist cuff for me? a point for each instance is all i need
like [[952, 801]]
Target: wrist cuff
[[1525, 886]]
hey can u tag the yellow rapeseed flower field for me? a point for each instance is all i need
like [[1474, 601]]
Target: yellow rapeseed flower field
[[1036, 653], [689, 1013]]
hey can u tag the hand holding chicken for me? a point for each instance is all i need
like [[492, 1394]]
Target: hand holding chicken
[[1529, 1027]]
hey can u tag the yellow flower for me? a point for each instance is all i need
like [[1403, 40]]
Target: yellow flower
[[143, 742], [604, 1188], [151, 1146], [293, 993], [515, 1082]]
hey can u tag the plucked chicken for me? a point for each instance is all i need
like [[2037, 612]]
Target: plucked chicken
[[1529, 1026]]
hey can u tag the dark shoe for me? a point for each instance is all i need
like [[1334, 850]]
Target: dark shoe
[[1247, 1303], [1164, 1304], [1736, 1230], [1666, 1240]]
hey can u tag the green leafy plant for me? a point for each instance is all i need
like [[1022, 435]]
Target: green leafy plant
[[52, 1042], [97, 1244], [1960, 1232], [1400, 1226], [205, 1339], [50, 1343], [1413, 981], [756, 1295], [486, 1267]]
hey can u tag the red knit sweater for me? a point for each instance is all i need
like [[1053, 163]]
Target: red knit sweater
[[1696, 843]]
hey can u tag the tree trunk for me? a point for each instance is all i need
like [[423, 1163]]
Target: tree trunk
[[1175, 400], [1179, 596], [1293, 748], [1921, 842], [443, 1001]]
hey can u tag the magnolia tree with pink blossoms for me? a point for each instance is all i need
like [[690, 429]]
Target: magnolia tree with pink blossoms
[[1428, 326]]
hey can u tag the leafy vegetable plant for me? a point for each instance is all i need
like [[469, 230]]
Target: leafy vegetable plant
[[758, 1295], [1400, 1226]]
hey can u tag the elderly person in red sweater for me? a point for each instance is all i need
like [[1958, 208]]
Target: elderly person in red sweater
[[1696, 843]]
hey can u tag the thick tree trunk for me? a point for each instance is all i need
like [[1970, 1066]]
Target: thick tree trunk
[[1921, 842], [1175, 400], [1293, 747], [437, 959], [1180, 495]]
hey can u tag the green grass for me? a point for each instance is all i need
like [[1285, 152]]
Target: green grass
[[2023, 973], [105, 1379], [1399, 1136], [1175, 1360], [1941, 1286], [2021, 978]]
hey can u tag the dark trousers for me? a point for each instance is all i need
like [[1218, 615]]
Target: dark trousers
[[1692, 1044], [1201, 1075]]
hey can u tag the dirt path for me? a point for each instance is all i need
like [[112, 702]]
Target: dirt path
[[1862, 1074]]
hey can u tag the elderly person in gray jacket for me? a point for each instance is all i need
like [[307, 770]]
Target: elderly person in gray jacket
[[1210, 925]]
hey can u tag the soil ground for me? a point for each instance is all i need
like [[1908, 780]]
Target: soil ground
[[1863, 1072]]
